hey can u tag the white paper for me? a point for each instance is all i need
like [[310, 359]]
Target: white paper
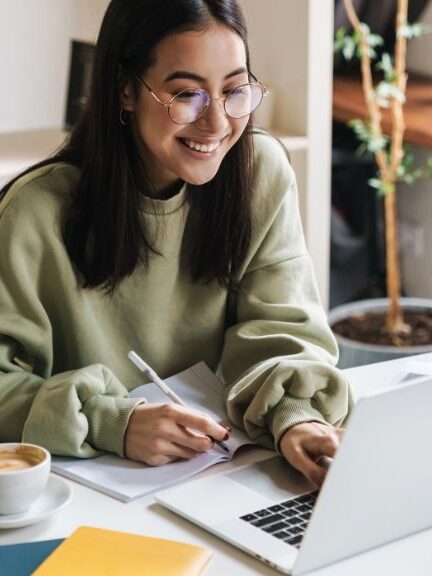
[[421, 367], [412, 372], [126, 479]]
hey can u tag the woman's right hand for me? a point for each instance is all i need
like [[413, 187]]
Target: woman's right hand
[[160, 433]]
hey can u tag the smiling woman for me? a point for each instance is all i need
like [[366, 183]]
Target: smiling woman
[[168, 225]]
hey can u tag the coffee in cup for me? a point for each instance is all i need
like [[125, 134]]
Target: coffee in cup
[[24, 471], [18, 459]]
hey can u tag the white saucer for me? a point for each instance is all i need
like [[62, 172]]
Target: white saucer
[[56, 495]]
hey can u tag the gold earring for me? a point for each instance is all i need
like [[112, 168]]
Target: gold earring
[[122, 118]]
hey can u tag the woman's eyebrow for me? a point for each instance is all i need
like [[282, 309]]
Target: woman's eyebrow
[[184, 75]]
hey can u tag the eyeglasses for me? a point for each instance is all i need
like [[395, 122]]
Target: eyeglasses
[[188, 106]]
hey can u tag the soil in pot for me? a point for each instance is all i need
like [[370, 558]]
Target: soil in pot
[[370, 328]]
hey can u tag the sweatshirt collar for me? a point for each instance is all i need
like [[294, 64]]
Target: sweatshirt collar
[[156, 206]]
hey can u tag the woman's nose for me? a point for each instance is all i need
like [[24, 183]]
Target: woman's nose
[[215, 117]]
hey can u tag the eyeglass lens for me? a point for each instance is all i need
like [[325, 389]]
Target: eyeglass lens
[[189, 105]]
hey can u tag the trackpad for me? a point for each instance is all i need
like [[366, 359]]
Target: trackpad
[[274, 478]]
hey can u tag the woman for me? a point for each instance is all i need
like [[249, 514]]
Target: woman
[[166, 226]]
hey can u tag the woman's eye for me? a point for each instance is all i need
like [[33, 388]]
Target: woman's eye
[[186, 95], [238, 90]]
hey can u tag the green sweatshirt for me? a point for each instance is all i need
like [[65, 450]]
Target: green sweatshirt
[[64, 371]]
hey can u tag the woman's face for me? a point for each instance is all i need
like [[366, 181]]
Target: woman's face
[[213, 59]]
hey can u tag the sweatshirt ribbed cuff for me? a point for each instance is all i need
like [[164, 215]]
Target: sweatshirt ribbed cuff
[[108, 418], [289, 412]]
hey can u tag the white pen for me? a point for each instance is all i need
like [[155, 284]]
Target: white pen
[[150, 373]]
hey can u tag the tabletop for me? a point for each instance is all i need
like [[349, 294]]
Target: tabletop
[[412, 555]]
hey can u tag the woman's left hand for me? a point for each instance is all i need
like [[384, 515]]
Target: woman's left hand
[[304, 444]]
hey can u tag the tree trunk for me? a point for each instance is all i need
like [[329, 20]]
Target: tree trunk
[[395, 321]]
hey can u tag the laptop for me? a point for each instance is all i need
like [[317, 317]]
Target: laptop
[[378, 489]]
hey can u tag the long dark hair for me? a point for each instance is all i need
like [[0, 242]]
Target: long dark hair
[[103, 234]]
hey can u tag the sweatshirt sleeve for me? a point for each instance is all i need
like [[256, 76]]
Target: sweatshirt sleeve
[[279, 353], [74, 413]]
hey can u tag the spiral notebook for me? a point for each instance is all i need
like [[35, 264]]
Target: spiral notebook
[[125, 479]]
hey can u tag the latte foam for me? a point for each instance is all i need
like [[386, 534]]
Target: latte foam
[[10, 461]]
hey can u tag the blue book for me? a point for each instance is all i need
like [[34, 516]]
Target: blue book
[[23, 559]]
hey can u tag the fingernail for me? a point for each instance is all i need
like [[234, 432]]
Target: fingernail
[[226, 436]]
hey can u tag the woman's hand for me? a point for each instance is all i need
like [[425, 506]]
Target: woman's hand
[[160, 433], [304, 444]]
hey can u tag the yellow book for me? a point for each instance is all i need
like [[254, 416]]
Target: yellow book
[[98, 552]]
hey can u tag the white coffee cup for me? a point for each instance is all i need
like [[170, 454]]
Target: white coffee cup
[[24, 471]]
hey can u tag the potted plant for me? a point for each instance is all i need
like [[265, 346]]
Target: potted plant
[[380, 329]]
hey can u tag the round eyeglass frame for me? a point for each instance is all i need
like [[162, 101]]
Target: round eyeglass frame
[[265, 91]]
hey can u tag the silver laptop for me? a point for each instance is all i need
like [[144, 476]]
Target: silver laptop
[[378, 489]]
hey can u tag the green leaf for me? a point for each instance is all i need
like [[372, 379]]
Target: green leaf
[[381, 187], [374, 183], [360, 130], [408, 179], [386, 66], [385, 91], [338, 44], [376, 143], [356, 36], [413, 30], [369, 142], [348, 49], [340, 33], [362, 149], [373, 40], [408, 160], [345, 43]]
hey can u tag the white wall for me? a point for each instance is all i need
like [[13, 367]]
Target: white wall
[[277, 30], [35, 40]]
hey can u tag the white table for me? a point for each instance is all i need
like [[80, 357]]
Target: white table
[[410, 556]]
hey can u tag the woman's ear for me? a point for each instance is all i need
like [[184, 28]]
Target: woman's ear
[[127, 99]]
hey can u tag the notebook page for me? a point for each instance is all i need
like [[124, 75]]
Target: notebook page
[[125, 479], [198, 388]]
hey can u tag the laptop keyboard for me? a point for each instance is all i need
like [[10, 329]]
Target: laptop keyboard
[[286, 521]]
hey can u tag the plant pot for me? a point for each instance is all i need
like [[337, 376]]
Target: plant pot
[[354, 353]]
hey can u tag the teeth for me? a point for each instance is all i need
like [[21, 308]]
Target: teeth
[[201, 147]]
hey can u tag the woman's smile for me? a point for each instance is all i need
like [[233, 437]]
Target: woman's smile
[[203, 147]]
